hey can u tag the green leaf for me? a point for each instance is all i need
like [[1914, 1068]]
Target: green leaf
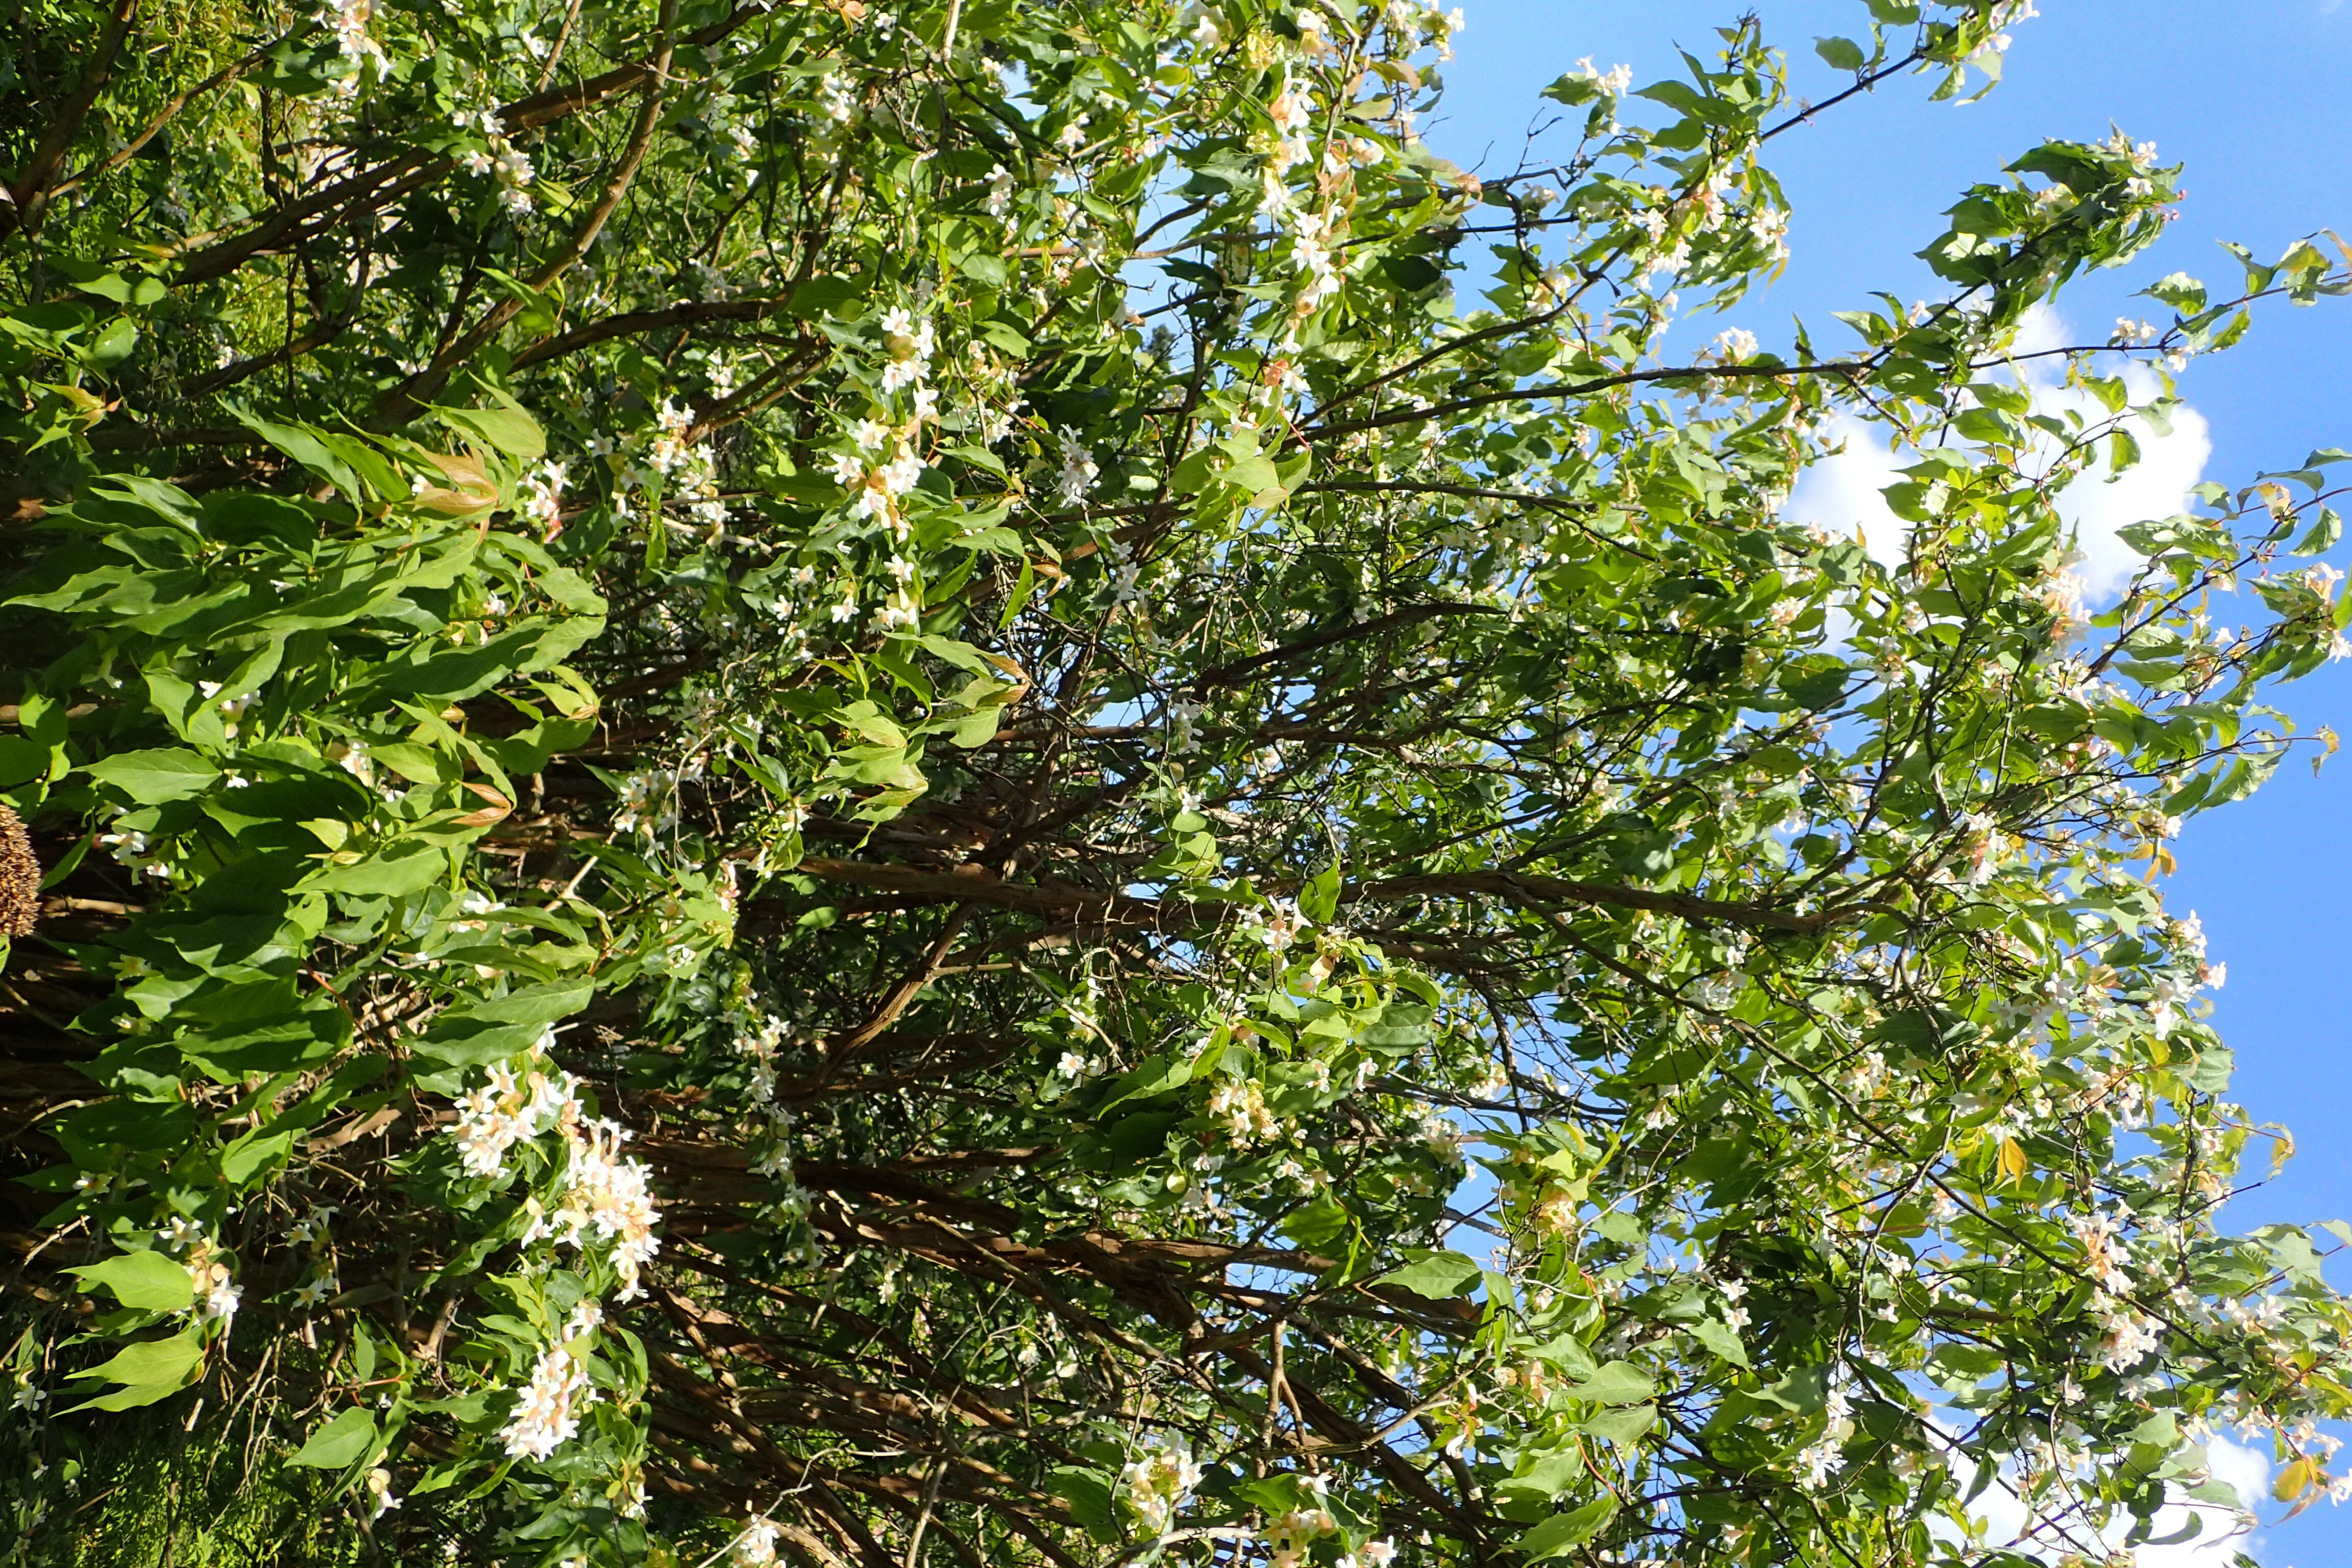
[[507, 429], [466, 1042], [542, 1004], [22, 760], [249, 1155], [149, 1281], [1440, 1277], [343, 1441], [1089, 1494], [153, 777], [152, 1362], [406, 866], [1575, 88], [1562, 1530], [1842, 54], [1154, 1077], [1624, 1424], [1322, 1221], [1722, 1338], [1617, 1382]]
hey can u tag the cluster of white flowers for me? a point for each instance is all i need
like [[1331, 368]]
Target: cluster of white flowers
[[131, 847], [216, 1295], [1310, 252], [1824, 1456], [1292, 1533], [648, 803], [2141, 154], [878, 485], [1183, 715], [1159, 1482], [1277, 925], [2104, 1249], [547, 1415], [2188, 936], [506, 1110], [348, 20], [538, 498], [1290, 113], [1442, 1137], [1615, 82], [762, 1045], [499, 158], [2126, 1337], [1735, 346], [609, 1196], [603, 1196], [1241, 1105], [910, 344], [686, 468], [2061, 592], [756, 1547], [1079, 471]]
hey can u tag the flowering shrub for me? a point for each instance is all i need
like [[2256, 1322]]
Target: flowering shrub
[[889, 786]]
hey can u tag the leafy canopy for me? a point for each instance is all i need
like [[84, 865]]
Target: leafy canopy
[[979, 784]]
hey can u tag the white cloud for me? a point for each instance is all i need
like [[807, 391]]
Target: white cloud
[[2220, 1537], [1843, 493], [2222, 1532]]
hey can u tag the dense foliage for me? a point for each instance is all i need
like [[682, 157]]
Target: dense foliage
[[980, 785]]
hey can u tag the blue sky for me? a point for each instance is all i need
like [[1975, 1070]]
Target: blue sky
[[2252, 98]]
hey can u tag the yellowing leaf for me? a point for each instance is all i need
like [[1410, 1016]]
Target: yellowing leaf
[[2014, 1165], [2295, 1480]]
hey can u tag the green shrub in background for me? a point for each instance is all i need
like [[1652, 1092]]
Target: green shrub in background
[[977, 785]]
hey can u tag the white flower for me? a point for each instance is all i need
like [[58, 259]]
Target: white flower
[[1280, 925], [2126, 1338], [1612, 83], [540, 496], [1240, 1103], [1159, 1482], [1821, 1461], [1735, 345], [1287, 112], [610, 1199], [1079, 471], [544, 1418], [756, 1547]]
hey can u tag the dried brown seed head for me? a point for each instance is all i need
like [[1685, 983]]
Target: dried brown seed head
[[20, 877]]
